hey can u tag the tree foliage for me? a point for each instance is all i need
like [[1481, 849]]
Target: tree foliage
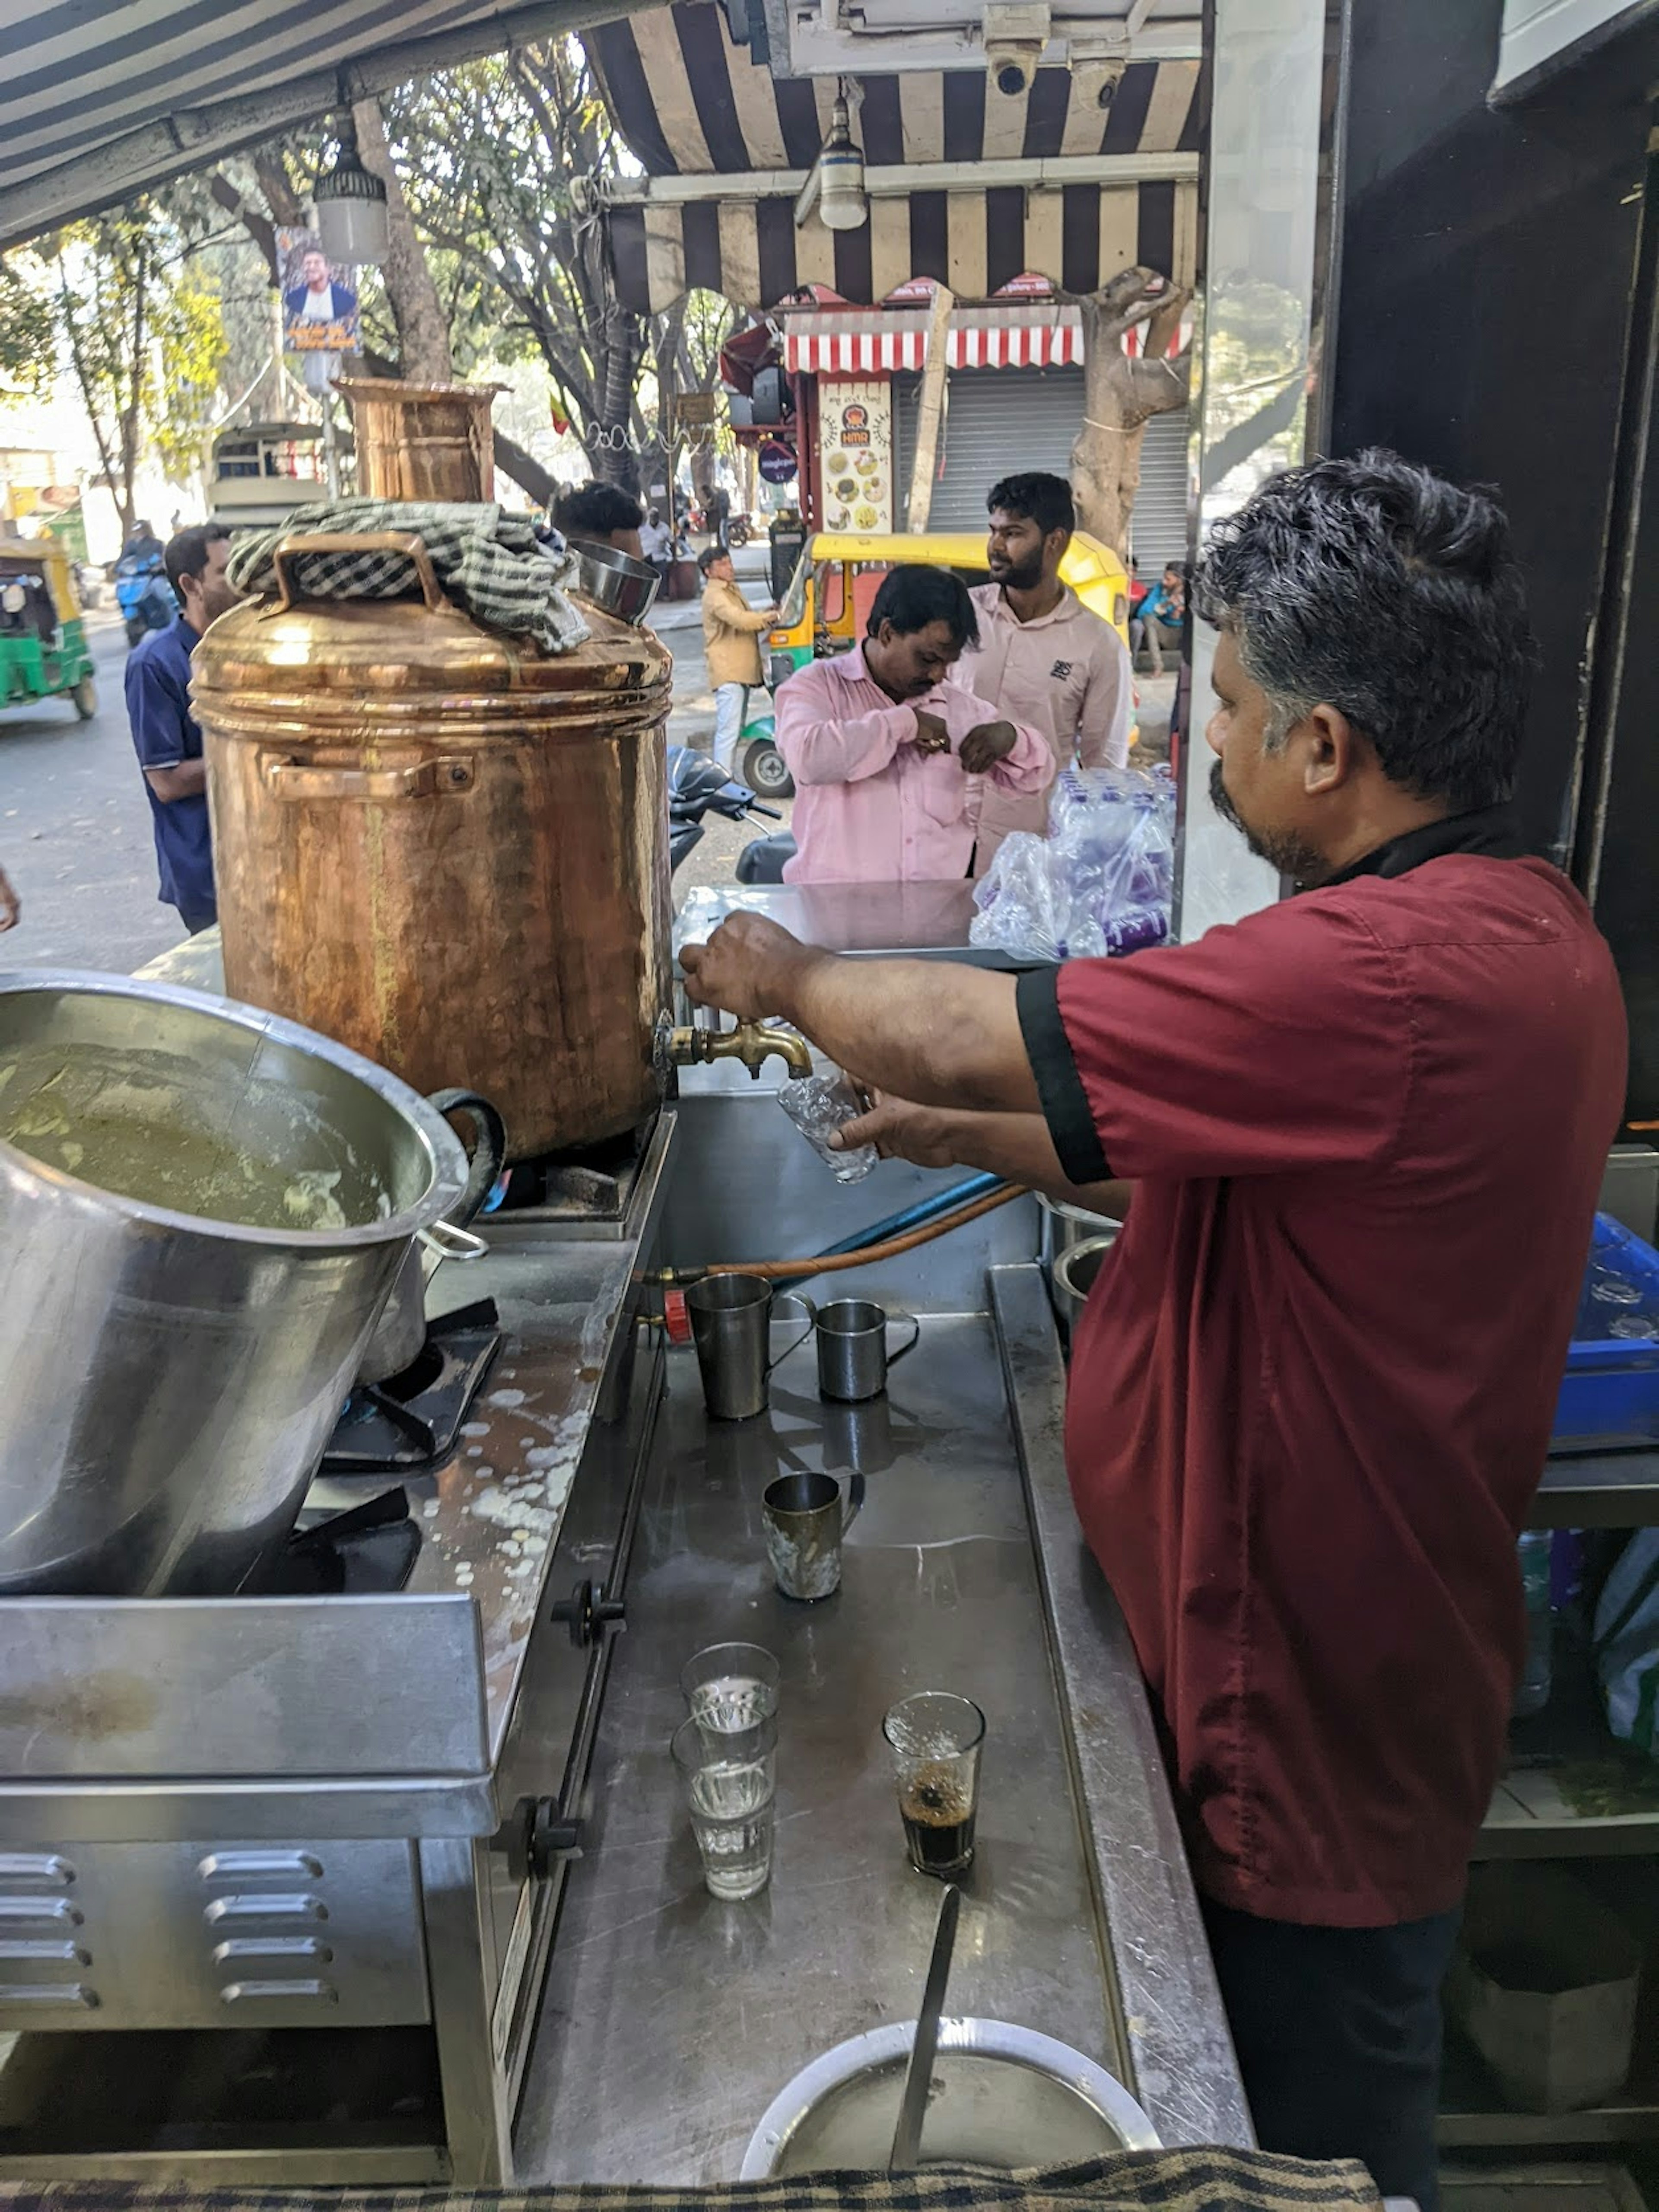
[[120, 302], [28, 332], [490, 155]]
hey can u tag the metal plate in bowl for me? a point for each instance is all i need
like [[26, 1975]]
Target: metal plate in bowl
[[1004, 2099]]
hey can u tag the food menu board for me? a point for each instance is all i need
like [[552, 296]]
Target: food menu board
[[855, 427]]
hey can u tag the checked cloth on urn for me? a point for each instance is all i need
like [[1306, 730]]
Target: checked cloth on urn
[[492, 565], [1211, 2181]]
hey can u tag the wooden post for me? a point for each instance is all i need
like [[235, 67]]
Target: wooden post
[[929, 414]]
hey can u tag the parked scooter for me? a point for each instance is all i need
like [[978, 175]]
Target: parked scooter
[[763, 859], [698, 785], [143, 594]]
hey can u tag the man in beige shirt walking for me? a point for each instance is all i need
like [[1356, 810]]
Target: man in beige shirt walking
[[1043, 659], [732, 632]]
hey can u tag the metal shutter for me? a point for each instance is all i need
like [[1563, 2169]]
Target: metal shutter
[[1001, 420], [1158, 531], [998, 421]]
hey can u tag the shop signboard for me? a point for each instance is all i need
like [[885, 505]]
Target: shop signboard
[[855, 431], [777, 462]]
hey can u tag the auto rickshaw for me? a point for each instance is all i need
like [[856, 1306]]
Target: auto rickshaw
[[837, 577], [836, 580], [43, 638]]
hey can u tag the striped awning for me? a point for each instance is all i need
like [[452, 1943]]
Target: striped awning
[[1032, 337], [691, 102], [101, 99], [752, 252]]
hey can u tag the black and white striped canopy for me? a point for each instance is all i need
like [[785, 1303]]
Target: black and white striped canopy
[[691, 102], [99, 99]]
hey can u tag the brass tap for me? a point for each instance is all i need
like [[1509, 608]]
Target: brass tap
[[748, 1042]]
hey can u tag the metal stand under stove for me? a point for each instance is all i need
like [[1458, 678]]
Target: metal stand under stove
[[279, 1875]]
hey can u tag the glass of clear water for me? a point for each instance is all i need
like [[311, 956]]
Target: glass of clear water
[[726, 1776], [737, 1852], [730, 1689]]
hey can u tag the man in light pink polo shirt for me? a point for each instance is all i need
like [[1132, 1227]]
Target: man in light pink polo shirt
[[889, 755], [1041, 654]]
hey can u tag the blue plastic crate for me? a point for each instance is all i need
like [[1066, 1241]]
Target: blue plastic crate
[[1609, 1397]]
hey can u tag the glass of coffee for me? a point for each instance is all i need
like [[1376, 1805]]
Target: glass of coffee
[[935, 1738]]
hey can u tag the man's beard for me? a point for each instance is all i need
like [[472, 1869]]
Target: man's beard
[[1014, 577], [1291, 855]]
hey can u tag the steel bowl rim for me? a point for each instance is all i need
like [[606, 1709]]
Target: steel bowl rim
[[992, 2039], [1073, 1255], [445, 1155]]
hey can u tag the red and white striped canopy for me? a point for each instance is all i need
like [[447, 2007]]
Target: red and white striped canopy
[[876, 340]]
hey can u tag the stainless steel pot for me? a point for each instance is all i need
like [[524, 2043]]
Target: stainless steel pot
[[1074, 1276], [1004, 2098], [170, 1379], [401, 1329], [1063, 1226]]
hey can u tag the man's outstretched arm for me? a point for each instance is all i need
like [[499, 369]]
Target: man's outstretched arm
[[936, 1032]]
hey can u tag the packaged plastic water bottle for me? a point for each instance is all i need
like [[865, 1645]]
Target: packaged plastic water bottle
[[1536, 1676]]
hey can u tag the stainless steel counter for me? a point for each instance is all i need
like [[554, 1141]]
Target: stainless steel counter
[[671, 2018], [922, 922]]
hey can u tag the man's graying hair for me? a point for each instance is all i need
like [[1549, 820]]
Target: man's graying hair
[[1378, 588]]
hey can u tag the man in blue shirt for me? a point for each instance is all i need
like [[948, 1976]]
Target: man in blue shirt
[[164, 733]]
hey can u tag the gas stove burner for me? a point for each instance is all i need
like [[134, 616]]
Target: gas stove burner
[[368, 1552], [412, 1419], [592, 1183]]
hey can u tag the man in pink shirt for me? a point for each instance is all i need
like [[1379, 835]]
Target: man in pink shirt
[[889, 754], [1041, 654]]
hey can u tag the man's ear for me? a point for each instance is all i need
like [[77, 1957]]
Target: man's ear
[[1330, 747]]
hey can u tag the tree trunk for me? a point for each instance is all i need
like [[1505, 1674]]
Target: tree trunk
[[1121, 393], [422, 329]]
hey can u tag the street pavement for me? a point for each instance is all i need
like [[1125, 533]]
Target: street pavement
[[75, 824], [75, 830]]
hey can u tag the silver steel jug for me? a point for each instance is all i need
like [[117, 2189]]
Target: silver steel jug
[[169, 1379]]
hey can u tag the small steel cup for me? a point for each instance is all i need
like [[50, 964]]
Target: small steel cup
[[853, 1355], [806, 1521], [731, 1326]]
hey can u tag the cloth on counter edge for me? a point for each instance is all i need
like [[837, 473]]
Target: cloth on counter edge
[[1199, 2180], [491, 564]]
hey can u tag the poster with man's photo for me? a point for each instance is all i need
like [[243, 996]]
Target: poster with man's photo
[[320, 298]]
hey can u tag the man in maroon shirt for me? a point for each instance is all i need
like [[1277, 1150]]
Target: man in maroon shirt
[[1363, 1133]]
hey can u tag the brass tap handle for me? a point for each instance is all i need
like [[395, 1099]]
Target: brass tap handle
[[748, 1042]]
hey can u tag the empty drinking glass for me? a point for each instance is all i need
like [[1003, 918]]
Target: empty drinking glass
[[731, 1687]]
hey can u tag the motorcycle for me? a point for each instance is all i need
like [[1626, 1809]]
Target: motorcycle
[[698, 785], [143, 594]]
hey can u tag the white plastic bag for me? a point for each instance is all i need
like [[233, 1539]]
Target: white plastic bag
[[1100, 881]]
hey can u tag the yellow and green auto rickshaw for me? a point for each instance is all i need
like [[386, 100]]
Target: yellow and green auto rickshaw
[[43, 637], [837, 577], [827, 602]]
